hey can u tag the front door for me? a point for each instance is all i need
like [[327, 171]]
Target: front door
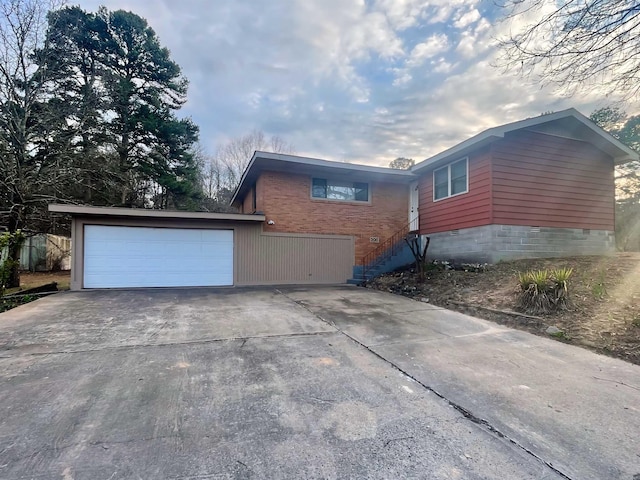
[[414, 200]]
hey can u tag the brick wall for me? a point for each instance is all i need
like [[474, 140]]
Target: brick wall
[[258, 191], [286, 199], [247, 204]]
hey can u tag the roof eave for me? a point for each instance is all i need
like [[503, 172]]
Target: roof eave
[[622, 159], [242, 179], [311, 163], [495, 133], [628, 154], [458, 151], [87, 211]]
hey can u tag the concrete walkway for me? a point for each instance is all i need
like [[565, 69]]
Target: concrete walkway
[[335, 382]]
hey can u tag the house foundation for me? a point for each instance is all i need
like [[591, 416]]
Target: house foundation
[[492, 243]]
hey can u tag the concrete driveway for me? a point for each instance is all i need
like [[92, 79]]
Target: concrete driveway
[[334, 382]]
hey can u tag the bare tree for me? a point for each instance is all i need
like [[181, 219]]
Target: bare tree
[[220, 173], [212, 180], [593, 44], [234, 156], [419, 250], [28, 167]]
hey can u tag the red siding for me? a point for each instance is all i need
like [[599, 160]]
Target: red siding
[[471, 209], [542, 180]]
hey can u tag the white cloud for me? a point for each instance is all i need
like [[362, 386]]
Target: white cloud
[[434, 45], [372, 35], [402, 14], [343, 79], [441, 66], [427, 121], [474, 42], [440, 11], [403, 77], [254, 99], [466, 19]]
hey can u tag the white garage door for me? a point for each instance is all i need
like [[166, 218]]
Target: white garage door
[[156, 257]]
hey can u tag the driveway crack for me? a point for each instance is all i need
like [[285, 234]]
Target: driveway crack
[[465, 412], [164, 344]]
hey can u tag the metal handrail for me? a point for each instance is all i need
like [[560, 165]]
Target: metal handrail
[[386, 249]]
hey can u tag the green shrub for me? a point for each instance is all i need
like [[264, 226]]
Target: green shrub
[[544, 291], [599, 289], [7, 303]]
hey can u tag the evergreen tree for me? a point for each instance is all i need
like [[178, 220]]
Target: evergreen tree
[[88, 106], [626, 129], [121, 90]]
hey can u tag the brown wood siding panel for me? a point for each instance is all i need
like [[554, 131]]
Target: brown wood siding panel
[[77, 254], [272, 259], [471, 209], [259, 259], [542, 180]]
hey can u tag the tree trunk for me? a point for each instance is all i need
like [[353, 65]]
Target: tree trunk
[[13, 250], [419, 254], [14, 258]]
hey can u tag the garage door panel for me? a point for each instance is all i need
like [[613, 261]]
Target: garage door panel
[[156, 257]]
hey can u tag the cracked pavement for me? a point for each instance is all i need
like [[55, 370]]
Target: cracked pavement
[[293, 382]]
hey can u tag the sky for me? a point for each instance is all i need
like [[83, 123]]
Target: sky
[[361, 81]]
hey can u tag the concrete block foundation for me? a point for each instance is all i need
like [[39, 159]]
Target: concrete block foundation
[[492, 243]]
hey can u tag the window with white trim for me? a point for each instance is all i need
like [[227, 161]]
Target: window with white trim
[[340, 190], [451, 180]]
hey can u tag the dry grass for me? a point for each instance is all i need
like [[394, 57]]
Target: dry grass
[[37, 279]]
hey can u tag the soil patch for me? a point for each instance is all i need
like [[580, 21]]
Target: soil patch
[[37, 279], [604, 292], [30, 282]]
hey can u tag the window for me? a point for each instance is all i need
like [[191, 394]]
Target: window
[[451, 180], [339, 190]]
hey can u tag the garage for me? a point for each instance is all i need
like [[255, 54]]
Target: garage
[[119, 256], [115, 247]]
